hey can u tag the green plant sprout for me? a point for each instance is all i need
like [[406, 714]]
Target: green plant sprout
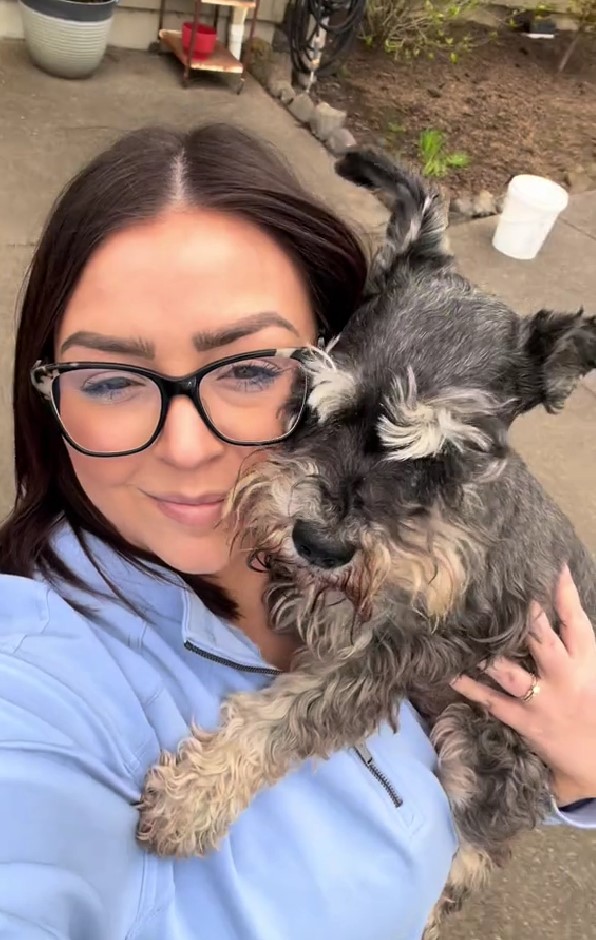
[[436, 161]]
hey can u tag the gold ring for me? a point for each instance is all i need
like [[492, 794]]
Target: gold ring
[[533, 690]]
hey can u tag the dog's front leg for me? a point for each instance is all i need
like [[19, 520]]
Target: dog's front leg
[[191, 799], [497, 787]]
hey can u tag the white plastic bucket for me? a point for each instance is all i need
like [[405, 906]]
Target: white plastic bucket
[[532, 206]]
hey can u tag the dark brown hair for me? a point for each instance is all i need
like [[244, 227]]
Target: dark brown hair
[[216, 166]]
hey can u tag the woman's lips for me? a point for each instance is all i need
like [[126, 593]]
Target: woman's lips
[[201, 512]]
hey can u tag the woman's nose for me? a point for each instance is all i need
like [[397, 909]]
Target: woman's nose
[[185, 439]]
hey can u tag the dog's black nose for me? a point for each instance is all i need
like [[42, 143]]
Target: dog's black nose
[[319, 548]]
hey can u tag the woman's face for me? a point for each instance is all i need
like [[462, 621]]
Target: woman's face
[[172, 295]]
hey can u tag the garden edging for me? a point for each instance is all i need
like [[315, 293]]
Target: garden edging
[[274, 71]]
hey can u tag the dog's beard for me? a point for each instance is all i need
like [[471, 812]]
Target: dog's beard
[[261, 509], [264, 506], [431, 563], [428, 563]]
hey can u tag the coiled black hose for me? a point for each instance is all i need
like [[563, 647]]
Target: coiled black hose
[[340, 19]]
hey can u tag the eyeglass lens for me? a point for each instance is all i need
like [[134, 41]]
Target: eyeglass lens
[[251, 401]]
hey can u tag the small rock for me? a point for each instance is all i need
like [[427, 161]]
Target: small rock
[[477, 207], [463, 205], [446, 199], [325, 119], [590, 380], [279, 87], [275, 86], [302, 107], [279, 70], [339, 141], [435, 92], [287, 93], [578, 181], [483, 204]]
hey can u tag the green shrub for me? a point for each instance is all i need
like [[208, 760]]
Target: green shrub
[[411, 28]]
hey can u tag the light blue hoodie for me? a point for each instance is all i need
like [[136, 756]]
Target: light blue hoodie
[[356, 848]]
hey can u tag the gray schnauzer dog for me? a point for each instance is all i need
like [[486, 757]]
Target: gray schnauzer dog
[[405, 541]]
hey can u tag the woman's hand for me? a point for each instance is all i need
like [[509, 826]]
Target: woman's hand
[[559, 719]]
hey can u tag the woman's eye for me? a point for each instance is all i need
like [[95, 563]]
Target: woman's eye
[[110, 388], [251, 375]]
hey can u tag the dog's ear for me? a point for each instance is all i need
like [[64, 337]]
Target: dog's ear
[[415, 236], [558, 349]]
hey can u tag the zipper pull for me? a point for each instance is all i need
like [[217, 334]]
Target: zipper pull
[[364, 754]]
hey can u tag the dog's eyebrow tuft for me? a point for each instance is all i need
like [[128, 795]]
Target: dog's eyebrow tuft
[[412, 428], [332, 388]]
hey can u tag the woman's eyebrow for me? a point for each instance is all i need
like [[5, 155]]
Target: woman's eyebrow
[[120, 345], [203, 341], [206, 340]]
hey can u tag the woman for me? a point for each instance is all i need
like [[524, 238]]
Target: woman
[[124, 612]]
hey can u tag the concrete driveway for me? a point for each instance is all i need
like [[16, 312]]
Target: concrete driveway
[[48, 128]]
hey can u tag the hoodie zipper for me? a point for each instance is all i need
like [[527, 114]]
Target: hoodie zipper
[[368, 760], [361, 751], [240, 667]]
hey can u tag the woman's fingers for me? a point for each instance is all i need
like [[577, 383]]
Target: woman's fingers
[[559, 720], [503, 707], [512, 677], [547, 649], [577, 632]]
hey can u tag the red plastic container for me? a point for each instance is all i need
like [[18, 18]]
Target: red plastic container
[[204, 40]]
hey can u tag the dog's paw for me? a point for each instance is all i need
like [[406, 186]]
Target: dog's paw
[[166, 824], [189, 800]]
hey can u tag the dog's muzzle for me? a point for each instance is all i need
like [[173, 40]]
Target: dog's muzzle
[[318, 548]]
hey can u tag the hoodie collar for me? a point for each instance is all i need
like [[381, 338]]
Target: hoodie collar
[[164, 601], [208, 634]]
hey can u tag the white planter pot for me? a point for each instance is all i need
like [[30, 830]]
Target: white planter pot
[[67, 38]]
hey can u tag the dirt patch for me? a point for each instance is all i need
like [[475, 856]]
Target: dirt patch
[[503, 104]]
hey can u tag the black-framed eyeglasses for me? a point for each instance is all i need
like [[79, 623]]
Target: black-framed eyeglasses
[[114, 410]]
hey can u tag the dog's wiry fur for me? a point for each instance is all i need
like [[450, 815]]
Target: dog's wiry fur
[[404, 462]]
